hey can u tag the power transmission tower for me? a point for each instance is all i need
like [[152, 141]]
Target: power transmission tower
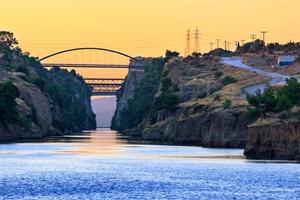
[[196, 45], [218, 41], [188, 43], [237, 44], [211, 46], [253, 37], [264, 35], [228, 43]]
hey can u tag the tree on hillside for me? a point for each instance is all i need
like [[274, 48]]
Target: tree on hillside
[[291, 90], [170, 54], [8, 94], [261, 103], [257, 46], [269, 101], [7, 40], [252, 47]]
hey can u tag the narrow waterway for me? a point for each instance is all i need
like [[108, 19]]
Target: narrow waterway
[[103, 164]]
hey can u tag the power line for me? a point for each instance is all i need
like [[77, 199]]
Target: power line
[[264, 35], [218, 41], [237, 43], [211, 46], [188, 43], [253, 37], [196, 44]]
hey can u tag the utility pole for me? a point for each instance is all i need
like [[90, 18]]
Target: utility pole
[[225, 44], [228, 46], [211, 46], [188, 43], [253, 37], [237, 43], [218, 41], [196, 45], [264, 35]]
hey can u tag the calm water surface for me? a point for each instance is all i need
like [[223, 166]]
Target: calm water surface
[[103, 165]]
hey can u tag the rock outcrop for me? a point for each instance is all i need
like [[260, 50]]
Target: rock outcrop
[[133, 79], [201, 85], [206, 128], [279, 140], [49, 102]]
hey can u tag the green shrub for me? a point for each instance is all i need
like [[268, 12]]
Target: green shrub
[[227, 104], [167, 101], [269, 101], [166, 84], [8, 94], [228, 80], [202, 95], [262, 102], [218, 74], [22, 69], [176, 88], [141, 103], [25, 123], [217, 97], [38, 81]]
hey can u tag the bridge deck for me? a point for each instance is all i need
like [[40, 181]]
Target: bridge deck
[[67, 65]]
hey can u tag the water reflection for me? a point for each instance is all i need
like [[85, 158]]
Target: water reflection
[[95, 142], [103, 164]]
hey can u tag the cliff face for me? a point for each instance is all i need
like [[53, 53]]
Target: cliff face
[[133, 79], [188, 104], [48, 103], [206, 128], [277, 140]]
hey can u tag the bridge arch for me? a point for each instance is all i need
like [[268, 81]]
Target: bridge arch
[[101, 86], [87, 48]]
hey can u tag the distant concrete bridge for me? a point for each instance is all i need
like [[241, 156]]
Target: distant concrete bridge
[[101, 86], [104, 86]]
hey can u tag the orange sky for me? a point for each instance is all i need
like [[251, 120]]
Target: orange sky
[[144, 27]]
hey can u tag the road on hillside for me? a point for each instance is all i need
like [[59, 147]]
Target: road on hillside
[[276, 78]]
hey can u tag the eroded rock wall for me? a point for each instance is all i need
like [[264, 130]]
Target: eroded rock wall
[[280, 140]]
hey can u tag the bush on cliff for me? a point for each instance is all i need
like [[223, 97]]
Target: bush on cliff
[[227, 104], [275, 101], [167, 101], [144, 104], [140, 104], [69, 95], [228, 80], [8, 94]]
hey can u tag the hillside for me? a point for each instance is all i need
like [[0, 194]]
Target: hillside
[[189, 100], [36, 102]]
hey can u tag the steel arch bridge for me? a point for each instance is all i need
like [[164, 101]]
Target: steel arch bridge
[[101, 86]]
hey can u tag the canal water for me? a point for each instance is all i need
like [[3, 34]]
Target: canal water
[[103, 164]]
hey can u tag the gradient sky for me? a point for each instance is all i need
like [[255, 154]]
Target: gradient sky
[[144, 27]]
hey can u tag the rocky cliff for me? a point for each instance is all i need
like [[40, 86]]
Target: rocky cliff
[[133, 79], [45, 103], [274, 138], [216, 128], [189, 103]]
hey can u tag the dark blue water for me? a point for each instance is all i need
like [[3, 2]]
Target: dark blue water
[[103, 165], [100, 165]]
